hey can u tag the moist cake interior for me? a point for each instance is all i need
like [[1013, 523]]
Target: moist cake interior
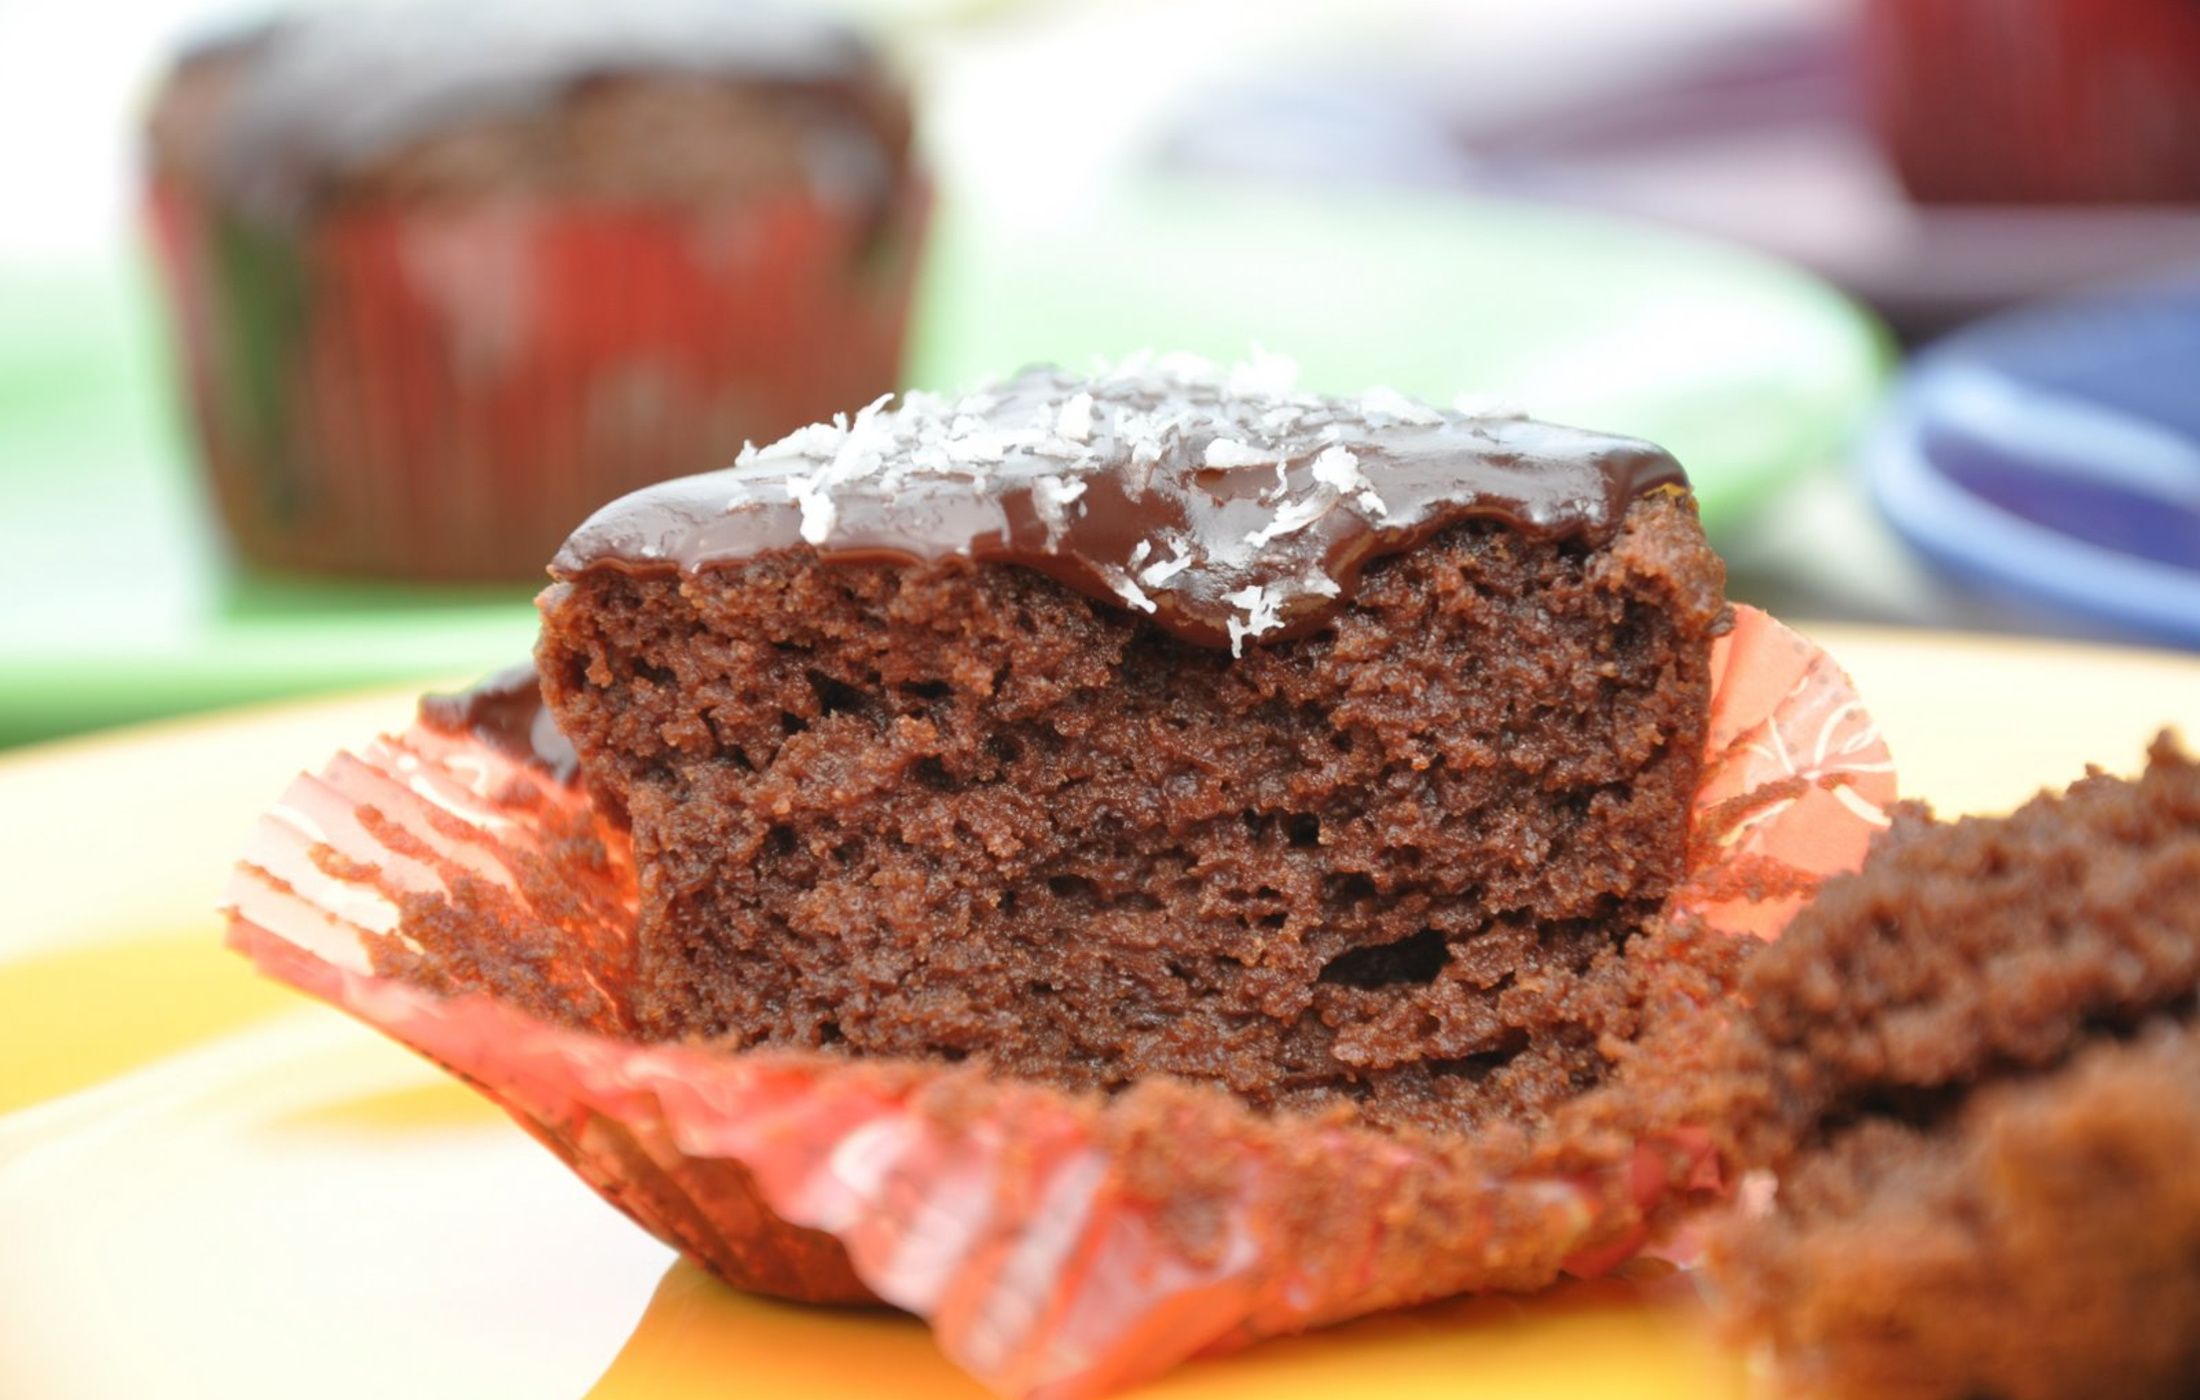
[[1976, 1068], [950, 808]]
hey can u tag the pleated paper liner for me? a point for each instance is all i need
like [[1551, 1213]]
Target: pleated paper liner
[[438, 393], [1060, 1246]]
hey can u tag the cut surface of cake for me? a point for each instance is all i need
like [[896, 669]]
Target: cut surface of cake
[[1163, 722], [1975, 1068]]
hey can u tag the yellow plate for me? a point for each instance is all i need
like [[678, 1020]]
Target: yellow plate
[[211, 1187]]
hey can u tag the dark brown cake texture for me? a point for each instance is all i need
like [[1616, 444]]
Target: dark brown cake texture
[[1975, 1067], [1163, 722]]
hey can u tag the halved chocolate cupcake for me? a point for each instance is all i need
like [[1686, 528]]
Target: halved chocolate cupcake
[[1117, 866], [1137, 725]]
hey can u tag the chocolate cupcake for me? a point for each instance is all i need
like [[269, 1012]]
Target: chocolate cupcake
[[1116, 867], [447, 276], [1310, 746]]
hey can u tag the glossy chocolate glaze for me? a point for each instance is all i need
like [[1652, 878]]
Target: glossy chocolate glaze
[[330, 91], [1220, 503], [506, 712]]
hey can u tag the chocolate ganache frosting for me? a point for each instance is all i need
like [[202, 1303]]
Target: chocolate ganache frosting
[[328, 91], [1223, 504]]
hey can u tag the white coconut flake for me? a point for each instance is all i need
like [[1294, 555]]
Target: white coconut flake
[[864, 444], [1051, 497], [972, 444], [1320, 584], [1128, 590], [1228, 454], [1381, 402], [1294, 517], [1141, 432], [1074, 422], [1339, 470], [815, 440], [1161, 571], [1140, 475], [1245, 416], [817, 507], [1261, 608], [1231, 554], [930, 458], [1059, 448]]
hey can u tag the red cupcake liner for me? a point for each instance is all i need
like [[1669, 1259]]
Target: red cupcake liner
[[1058, 1245], [443, 393], [2037, 101], [1796, 780]]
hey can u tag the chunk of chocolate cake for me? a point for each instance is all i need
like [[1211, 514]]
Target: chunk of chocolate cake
[[1163, 722], [1975, 1067]]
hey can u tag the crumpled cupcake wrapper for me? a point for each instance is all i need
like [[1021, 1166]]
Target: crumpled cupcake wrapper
[[1059, 1246]]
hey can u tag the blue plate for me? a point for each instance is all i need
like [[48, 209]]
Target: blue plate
[[2051, 459]]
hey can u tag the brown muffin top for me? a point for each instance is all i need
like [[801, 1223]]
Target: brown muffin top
[[682, 100], [1224, 505]]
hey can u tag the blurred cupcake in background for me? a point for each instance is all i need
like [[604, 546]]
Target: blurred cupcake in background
[[446, 274], [2037, 101]]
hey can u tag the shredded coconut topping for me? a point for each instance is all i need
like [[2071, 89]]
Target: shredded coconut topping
[[1228, 454], [1261, 606], [1381, 402], [1337, 469], [1051, 497], [1128, 417], [1294, 517], [1075, 420], [1156, 574], [816, 440], [1128, 590], [818, 509]]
